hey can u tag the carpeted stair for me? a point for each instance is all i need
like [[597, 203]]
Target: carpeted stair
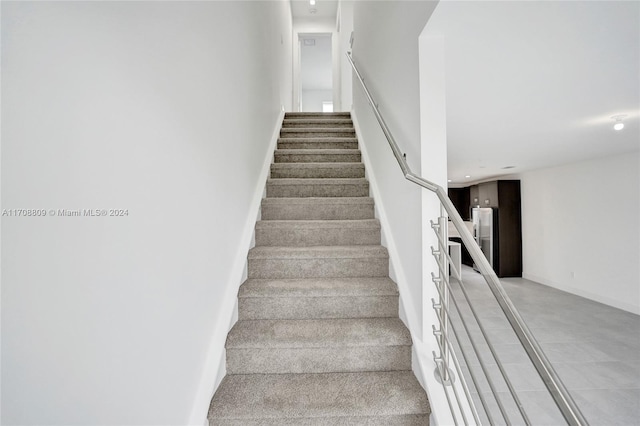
[[318, 340]]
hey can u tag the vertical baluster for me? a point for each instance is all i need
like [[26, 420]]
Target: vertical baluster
[[443, 230]]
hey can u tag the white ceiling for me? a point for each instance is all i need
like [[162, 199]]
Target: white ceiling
[[534, 84], [301, 9]]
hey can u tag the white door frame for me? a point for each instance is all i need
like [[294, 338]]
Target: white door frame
[[335, 65]]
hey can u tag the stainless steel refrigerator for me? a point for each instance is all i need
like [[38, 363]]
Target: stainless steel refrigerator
[[484, 231]]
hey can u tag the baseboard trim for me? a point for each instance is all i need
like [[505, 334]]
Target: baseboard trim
[[634, 309], [215, 361]]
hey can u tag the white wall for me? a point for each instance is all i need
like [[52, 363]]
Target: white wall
[[140, 106], [312, 99], [581, 229], [386, 51], [404, 69], [345, 10]]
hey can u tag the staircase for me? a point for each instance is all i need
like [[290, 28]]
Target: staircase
[[318, 340]]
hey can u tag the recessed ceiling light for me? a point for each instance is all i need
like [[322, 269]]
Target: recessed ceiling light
[[449, 180], [618, 125], [467, 176], [312, 2]]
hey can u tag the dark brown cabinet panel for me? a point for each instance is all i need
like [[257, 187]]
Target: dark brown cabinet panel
[[461, 200], [509, 238]]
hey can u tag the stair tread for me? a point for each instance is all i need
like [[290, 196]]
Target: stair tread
[[318, 333], [318, 252], [318, 287], [316, 120], [301, 120], [299, 396], [312, 139], [317, 181], [317, 130], [313, 224], [314, 151], [323, 208], [318, 200], [343, 165], [316, 113], [401, 420]]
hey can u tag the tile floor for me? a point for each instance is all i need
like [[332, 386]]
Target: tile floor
[[594, 348]]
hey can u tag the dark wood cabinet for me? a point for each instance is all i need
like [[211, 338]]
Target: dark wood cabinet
[[508, 263], [461, 200]]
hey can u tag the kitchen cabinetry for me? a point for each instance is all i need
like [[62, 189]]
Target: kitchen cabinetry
[[484, 194], [504, 196]]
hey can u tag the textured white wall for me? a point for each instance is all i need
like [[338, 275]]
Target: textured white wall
[[386, 51], [141, 106], [581, 229]]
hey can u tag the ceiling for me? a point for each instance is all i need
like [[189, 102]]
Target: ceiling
[[532, 85], [301, 9]]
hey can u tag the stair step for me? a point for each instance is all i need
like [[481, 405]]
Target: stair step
[[304, 233], [328, 398], [317, 122], [318, 262], [317, 132], [318, 333], [337, 115], [309, 187], [317, 170], [318, 298], [318, 346], [318, 143], [404, 420], [317, 156], [318, 287], [325, 208]]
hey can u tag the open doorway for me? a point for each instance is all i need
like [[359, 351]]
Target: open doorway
[[316, 72]]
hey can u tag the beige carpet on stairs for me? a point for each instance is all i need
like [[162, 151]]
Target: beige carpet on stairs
[[318, 340]]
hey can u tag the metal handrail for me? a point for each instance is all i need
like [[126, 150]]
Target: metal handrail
[[556, 388]]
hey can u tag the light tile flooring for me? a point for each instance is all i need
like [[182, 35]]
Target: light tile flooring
[[594, 348]]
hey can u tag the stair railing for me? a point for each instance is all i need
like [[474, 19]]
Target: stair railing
[[554, 385]]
